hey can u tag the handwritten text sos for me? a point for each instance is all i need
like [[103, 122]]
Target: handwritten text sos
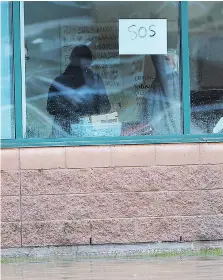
[[142, 32], [142, 36]]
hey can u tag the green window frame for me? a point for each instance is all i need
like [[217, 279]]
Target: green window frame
[[19, 141]]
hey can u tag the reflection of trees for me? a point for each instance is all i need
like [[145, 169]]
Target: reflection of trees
[[209, 20], [213, 25]]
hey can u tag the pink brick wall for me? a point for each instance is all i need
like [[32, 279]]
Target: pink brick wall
[[121, 194]]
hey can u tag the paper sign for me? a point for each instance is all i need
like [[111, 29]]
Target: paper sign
[[142, 36]]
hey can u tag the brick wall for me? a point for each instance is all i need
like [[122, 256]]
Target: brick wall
[[120, 194]]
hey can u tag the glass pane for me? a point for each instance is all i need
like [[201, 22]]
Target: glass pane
[[7, 90], [206, 66], [78, 85]]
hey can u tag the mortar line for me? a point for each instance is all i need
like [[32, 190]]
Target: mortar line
[[120, 193]]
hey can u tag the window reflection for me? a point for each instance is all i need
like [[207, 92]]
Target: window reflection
[[113, 95], [206, 66]]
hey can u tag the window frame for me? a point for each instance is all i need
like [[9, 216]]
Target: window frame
[[186, 137], [7, 31]]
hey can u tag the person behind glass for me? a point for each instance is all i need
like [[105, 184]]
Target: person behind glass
[[76, 93], [164, 99]]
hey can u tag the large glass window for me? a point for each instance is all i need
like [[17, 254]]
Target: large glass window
[[78, 85], [206, 66], [7, 90]]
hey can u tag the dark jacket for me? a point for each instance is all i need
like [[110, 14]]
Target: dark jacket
[[76, 94]]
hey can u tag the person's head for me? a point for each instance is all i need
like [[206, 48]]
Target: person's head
[[81, 56], [172, 59]]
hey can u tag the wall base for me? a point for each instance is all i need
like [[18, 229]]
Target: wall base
[[165, 249]]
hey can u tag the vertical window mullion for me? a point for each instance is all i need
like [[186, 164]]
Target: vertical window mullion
[[185, 66], [17, 70]]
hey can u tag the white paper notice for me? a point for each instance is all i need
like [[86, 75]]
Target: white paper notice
[[142, 36]]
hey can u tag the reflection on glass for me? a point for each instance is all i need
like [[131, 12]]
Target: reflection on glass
[[206, 66], [7, 93], [78, 85]]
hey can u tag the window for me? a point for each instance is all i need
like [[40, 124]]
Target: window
[[7, 90], [206, 66], [111, 95], [69, 78]]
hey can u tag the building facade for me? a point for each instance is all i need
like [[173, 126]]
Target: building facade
[[111, 122]]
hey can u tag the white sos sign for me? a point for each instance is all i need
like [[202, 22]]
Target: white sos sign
[[142, 36]]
